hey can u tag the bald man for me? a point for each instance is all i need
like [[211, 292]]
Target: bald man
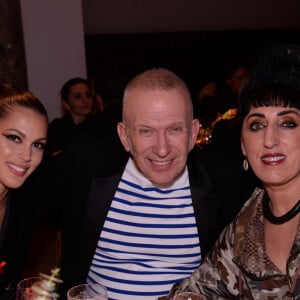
[[149, 219]]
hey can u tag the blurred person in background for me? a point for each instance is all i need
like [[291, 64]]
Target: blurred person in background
[[77, 102]]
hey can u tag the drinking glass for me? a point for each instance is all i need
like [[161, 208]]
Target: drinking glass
[[187, 296], [24, 291], [88, 291]]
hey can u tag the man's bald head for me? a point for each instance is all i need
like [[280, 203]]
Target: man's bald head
[[156, 79]]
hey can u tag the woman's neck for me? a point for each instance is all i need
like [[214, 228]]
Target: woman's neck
[[77, 119], [282, 199]]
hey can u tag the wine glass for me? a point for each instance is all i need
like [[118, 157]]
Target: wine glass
[[187, 296], [88, 291], [24, 291]]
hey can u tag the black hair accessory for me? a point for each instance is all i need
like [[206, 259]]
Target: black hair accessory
[[278, 65]]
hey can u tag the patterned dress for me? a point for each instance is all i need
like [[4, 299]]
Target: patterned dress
[[238, 266]]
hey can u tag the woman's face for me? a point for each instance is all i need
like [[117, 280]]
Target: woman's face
[[22, 141], [271, 142], [80, 101]]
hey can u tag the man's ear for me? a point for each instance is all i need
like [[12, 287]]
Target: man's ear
[[121, 128], [194, 133]]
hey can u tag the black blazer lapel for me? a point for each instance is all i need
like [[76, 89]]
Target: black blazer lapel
[[98, 204], [205, 203], [206, 214], [97, 207]]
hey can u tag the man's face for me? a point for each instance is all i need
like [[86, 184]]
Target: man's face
[[158, 131]]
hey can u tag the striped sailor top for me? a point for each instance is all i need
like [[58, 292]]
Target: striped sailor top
[[149, 240]]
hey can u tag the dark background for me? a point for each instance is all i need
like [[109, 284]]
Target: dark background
[[195, 56]]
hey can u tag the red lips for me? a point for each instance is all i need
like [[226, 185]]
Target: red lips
[[273, 158]]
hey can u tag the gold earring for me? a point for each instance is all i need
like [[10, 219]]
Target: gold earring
[[245, 164]]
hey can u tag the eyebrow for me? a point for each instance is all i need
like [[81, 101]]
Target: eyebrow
[[42, 139], [17, 131], [24, 136], [281, 113], [285, 112]]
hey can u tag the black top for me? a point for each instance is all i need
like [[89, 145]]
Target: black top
[[61, 132], [16, 229]]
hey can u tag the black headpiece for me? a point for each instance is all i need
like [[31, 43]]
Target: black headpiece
[[278, 65]]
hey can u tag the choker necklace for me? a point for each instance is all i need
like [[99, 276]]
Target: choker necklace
[[282, 219]]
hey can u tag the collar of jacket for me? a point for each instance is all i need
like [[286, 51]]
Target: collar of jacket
[[249, 247]]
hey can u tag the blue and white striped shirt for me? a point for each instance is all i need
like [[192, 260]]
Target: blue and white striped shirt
[[149, 240]]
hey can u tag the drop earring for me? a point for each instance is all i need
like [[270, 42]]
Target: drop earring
[[245, 164]]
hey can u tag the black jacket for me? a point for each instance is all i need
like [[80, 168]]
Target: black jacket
[[80, 185]]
